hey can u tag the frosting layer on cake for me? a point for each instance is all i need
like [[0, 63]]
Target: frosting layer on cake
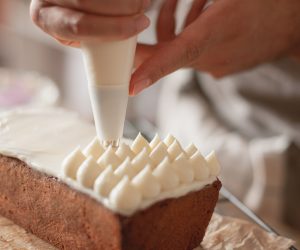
[[132, 177], [43, 137]]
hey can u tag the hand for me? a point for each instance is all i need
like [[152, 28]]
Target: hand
[[228, 37], [72, 21]]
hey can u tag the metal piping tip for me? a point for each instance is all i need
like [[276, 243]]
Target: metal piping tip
[[112, 143]]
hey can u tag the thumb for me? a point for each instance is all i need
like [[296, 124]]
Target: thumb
[[171, 56]]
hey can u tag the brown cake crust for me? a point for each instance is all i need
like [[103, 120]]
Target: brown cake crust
[[71, 220]]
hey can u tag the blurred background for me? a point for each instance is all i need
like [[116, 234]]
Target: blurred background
[[263, 171]]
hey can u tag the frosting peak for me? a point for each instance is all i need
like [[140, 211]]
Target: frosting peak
[[169, 140], [125, 196], [155, 141], [109, 157], [124, 151], [147, 183], [165, 174], [94, 149], [139, 144], [72, 162]]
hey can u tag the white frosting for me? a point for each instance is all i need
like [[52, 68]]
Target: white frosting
[[159, 153], [88, 172], [174, 150], [72, 162], [60, 144], [124, 151], [94, 149], [190, 150], [125, 196], [139, 144], [147, 183], [214, 164], [126, 168], [184, 169], [109, 158], [167, 177], [169, 140], [140, 161], [155, 141], [42, 138], [106, 181], [201, 168]]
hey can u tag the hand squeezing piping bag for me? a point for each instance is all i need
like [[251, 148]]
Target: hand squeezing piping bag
[[109, 66]]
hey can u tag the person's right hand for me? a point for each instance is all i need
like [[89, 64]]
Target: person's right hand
[[72, 21], [229, 37]]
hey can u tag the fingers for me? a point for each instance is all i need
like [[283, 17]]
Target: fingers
[[181, 52], [195, 11], [105, 7], [143, 52], [71, 25], [166, 24]]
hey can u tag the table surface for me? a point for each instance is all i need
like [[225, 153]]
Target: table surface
[[229, 205]]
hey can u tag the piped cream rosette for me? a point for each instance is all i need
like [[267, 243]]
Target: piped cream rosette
[[134, 177]]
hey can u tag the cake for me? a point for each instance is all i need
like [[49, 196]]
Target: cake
[[59, 183]]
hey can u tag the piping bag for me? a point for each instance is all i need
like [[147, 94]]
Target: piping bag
[[108, 67]]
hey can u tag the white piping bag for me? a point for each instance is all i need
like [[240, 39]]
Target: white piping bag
[[108, 67]]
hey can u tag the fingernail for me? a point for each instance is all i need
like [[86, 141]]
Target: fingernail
[[142, 23], [140, 85]]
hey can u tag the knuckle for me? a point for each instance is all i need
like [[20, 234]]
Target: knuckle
[[192, 52]]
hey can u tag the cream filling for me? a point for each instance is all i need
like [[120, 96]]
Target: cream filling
[[133, 177]]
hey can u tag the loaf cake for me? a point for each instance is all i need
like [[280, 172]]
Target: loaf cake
[[59, 183]]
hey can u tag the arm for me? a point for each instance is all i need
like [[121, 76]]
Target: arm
[[228, 37]]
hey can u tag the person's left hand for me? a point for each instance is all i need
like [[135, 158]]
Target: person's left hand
[[228, 37]]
